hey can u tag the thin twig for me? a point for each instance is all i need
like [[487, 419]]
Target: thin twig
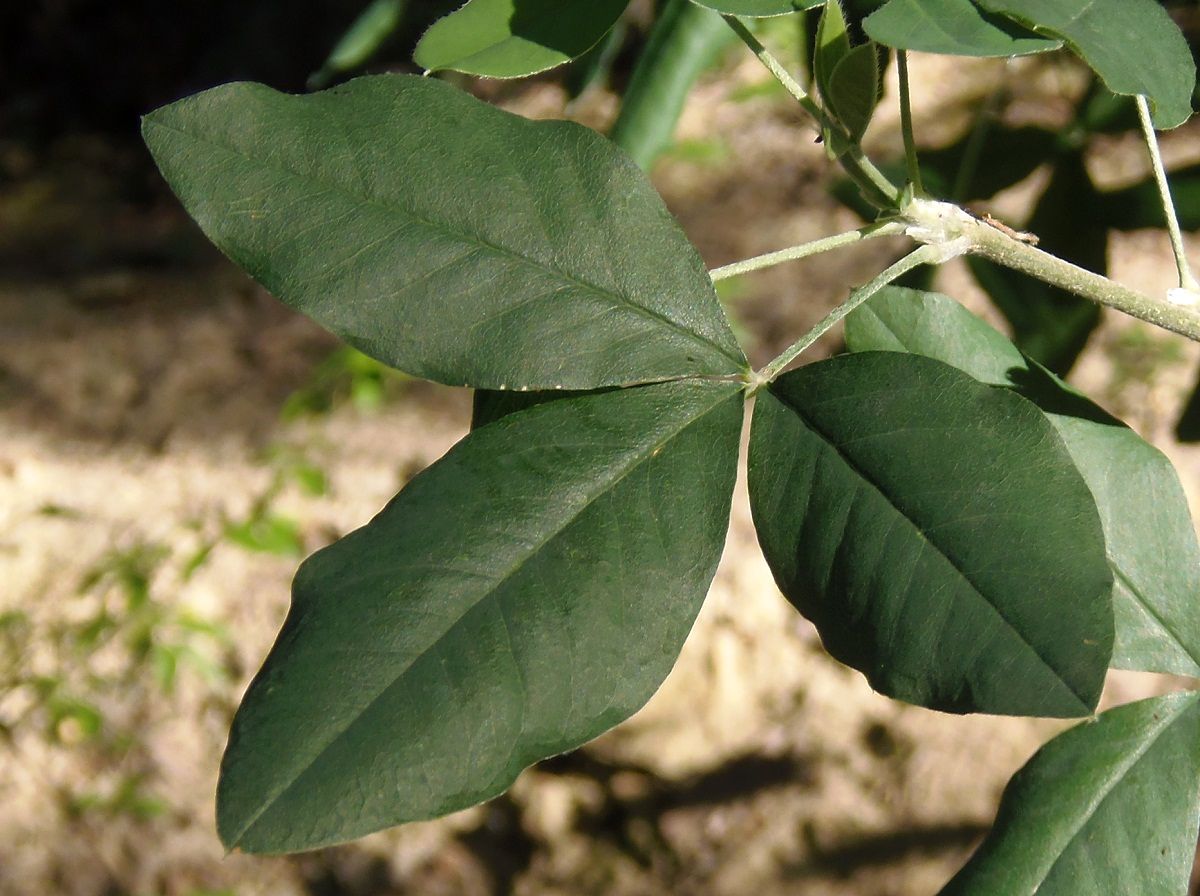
[[916, 258], [861, 166], [793, 253], [1186, 279]]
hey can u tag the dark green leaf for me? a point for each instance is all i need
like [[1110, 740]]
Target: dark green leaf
[[1133, 45], [854, 89], [936, 532], [524, 594], [1003, 158], [1109, 807], [1149, 537], [515, 38], [758, 8], [447, 238], [953, 27], [1052, 325]]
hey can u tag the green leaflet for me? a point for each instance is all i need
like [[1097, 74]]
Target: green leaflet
[[832, 46], [936, 532], [952, 27], [524, 594], [445, 237], [854, 89], [758, 8], [512, 39], [1151, 544], [1111, 806], [1133, 45]]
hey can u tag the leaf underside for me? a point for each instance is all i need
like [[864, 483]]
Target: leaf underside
[[1133, 45], [758, 8], [445, 237], [936, 532], [524, 594], [1110, 806], [515, 38], [951, 27]]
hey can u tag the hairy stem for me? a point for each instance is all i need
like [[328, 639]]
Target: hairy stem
[[943, 224], [1186, 279], [861, 169], [916, 258], [793, 253]]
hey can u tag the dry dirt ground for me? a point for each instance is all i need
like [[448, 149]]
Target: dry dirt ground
[[141, 387]]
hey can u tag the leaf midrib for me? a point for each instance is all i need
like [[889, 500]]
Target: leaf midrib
[[636, 460], [460, 235], [1113, 780], [936, 547]]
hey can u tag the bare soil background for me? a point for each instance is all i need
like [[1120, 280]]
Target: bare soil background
[[142, 387]]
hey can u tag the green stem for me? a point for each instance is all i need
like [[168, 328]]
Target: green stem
[[793, 253], [906, 125], [916, 258], [861, 169], [1186, 279]]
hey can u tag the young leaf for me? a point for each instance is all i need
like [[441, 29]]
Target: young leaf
[[1111, 806], [936, 532], [512, 39], [952, 27], [832, 46], [445, 237], [758, 8], [854, 89], [1148, 532], [1133, 45], [527, 592]]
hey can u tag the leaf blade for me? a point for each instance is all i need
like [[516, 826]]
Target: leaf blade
[[1149, 538], [890, 500], [422, 663], [531, 255], [1110, 806], [951, 27], [1113, 36], [509, 39]]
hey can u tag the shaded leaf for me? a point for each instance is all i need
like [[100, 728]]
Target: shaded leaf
[[1110, 806], [952, 27], [1049, 324], [447, 238], [1149, 537], [515, 38], [362, 40], [936, 532], [1006, 157], [1133, 45], [524, 594], [758, 8]]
